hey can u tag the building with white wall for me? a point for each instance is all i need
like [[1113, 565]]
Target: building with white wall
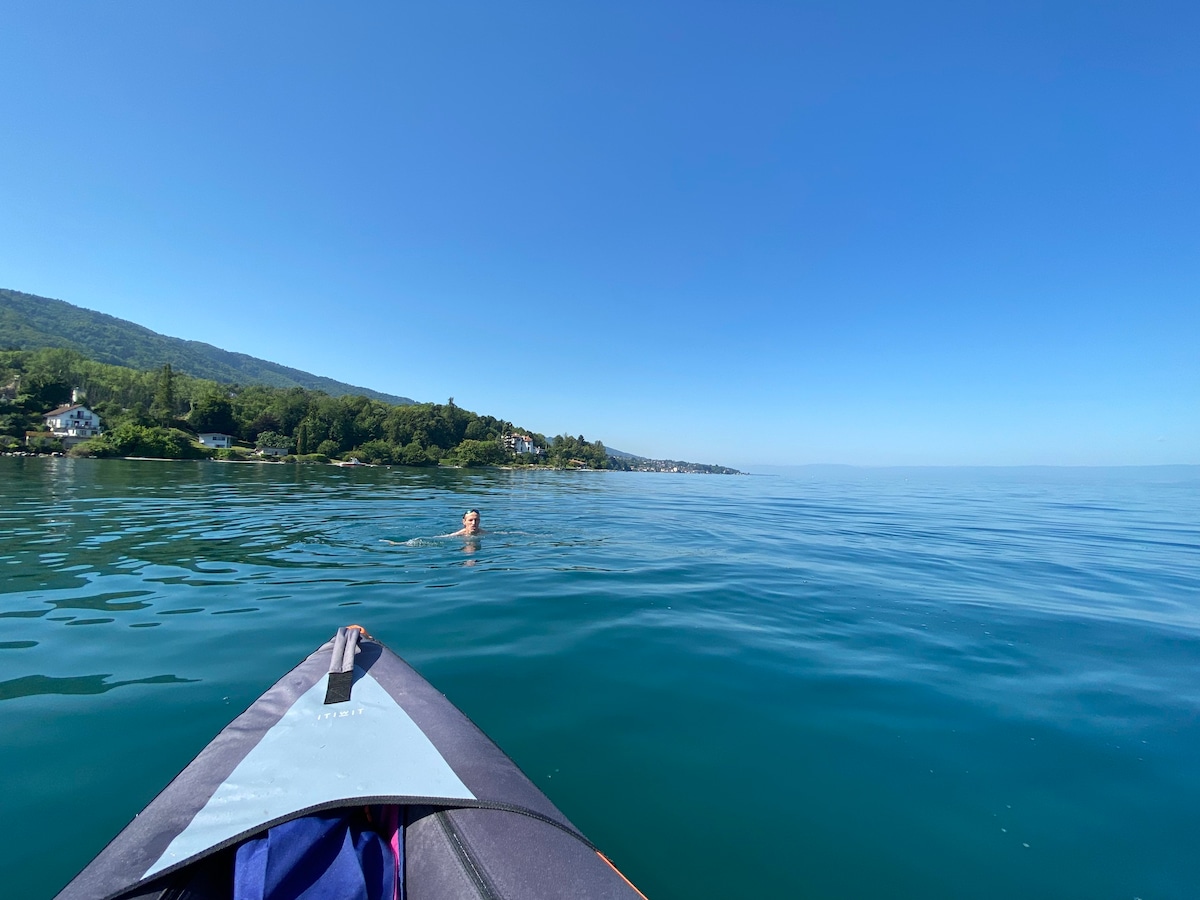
[[72, 424]]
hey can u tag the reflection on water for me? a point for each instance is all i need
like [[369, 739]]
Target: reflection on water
[[928, 684], [32, 685]]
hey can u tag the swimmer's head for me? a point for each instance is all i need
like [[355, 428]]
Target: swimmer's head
[[471, 521]]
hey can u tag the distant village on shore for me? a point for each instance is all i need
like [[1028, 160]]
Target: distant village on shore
[[77, 382], [75, 429], [71, 425]]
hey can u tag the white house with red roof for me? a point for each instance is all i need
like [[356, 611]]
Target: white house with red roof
[[520, 443]]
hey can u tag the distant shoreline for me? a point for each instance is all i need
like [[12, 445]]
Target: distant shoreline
[[336, 464], [757, 471]]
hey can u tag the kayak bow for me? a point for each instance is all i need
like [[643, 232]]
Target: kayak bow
[[351, 777]]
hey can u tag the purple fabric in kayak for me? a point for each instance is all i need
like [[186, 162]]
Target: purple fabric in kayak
[[336, 856]]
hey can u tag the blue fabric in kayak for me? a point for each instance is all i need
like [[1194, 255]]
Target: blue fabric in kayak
[[336, 856]]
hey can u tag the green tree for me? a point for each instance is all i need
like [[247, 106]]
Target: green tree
[[414, 454], [130, 439], [274, 440], [43, 443], [376, 451], [212, 412], [163, 408], [303, 437], [46, 388], [478, 453]]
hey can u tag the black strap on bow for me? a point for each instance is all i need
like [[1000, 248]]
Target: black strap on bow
[[341, 666]]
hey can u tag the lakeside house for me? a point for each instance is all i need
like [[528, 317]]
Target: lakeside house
[[521, 443], [72, 424], [216, 440], [272, 451]]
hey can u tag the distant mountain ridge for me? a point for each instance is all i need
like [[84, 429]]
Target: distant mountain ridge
[[30, 322]]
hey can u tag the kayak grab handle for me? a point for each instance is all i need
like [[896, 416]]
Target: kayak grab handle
[[341, 666]]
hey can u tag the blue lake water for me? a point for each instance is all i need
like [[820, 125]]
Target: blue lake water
[[868, 683]]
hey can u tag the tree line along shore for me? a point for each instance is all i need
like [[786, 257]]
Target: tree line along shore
[[161, 413]]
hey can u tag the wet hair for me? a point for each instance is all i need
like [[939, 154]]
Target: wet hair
[[469, 511]]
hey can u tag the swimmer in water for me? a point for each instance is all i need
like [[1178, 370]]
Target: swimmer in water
[[470, 529], [470, 525]]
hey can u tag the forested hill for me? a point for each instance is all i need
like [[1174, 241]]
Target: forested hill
[[29, 322]]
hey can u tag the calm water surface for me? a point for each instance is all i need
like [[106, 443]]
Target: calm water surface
[[864, 683]]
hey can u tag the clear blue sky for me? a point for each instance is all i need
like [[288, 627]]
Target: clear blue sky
[[790, 232]]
